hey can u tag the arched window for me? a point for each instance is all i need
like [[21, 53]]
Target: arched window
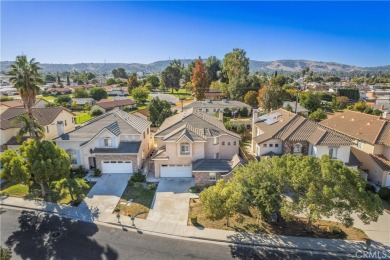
[[107, 142], [297, 148], [184, 148], [73, 156]]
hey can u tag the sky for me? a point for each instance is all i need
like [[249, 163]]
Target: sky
[[353, 32]]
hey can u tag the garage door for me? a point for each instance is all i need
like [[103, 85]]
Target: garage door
[[117, 167], [171, 171]]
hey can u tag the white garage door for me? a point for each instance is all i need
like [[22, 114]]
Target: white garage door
[[117, 167], [171, 171]]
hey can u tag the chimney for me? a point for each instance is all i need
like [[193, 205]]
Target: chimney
[[255, 115], [220, 116]]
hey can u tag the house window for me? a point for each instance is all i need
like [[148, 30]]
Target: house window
[[297, 149], [360, 144], [72, 155], [276, 145], [333, 152], [223, 143], [65, 123], [107, 142], [207, 110], [185, 148], [47, 129], [147, 131], [215, 140], [216, 156], [228, 143], [212, 176], [271, 145], [234, 143], [264, 145], [72, 120], [144, 135]]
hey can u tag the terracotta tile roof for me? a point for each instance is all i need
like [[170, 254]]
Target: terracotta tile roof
[[291, 127], [381, 161], [116, 103], [384, 136], [45, 116], [360, 126], [144, 112], [16, 103]]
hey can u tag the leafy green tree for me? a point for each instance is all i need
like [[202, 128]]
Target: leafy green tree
[[255, 82], [221, 200], [87, 106], [280, 80], [75, 186], [43, 162], [140, 94], [5, 253], [23, 122], [340, 102], [132, 82], [310, 101], [199, 80], [271, 97], [67, 80], [360, 106], [80, 93], [63, 99], [236, 67], [318, 115], [220, 87], [170, 78], [98, 93], [188, 71], [119, 73], [96, 112], [250, 98], [25, 76], [110, 81], [159, 110], [213, 66], [50, 78], [153, 80]]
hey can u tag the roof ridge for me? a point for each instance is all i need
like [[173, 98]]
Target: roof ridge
[[290, 124], [380, 132]]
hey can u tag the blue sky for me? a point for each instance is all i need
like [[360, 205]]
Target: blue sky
[[356, 33]]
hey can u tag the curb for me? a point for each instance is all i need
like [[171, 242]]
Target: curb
[[191, 237]]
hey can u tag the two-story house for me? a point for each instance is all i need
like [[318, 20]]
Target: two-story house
[[195, 144], [282, 132], [115, 142], [55, 121], [371, 142]]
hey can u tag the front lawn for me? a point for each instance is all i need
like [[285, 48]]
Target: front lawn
[[296, 227], [60, 196], [49, 98], [142, 198], [82, 117]]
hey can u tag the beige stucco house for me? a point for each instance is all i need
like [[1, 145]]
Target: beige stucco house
[[371, 142], [39, 103], [195, 144], [115, 142], [55, 120]]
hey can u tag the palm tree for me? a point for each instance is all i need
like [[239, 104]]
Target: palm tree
[[25, 124], [26, 77]]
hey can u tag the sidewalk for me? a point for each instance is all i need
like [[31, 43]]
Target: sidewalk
[[302, 243]]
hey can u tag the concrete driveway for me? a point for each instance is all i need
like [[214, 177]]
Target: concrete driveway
[[171, 202], [104, 196]]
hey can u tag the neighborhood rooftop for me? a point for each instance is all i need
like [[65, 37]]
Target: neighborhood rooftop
[[217, 104], [116, 103]]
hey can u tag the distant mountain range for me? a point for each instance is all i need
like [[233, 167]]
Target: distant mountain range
[[158, 66]]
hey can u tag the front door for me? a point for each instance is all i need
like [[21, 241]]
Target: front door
[[92, 162]]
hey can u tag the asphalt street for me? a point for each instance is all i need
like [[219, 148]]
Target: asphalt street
[[34, 235]]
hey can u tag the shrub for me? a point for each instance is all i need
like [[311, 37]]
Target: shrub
[[117, 209], [370, 188], [152, 186], [96, 112], [130, 183], [194, 219], [384, 193], [334, 230], [193, 189], [138, 184], [138, 177], [97, 172]]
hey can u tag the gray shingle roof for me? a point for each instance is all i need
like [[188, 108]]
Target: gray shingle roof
[[115, 103], [124, 147], [197, 122], [218, 104], [216, 165], [116, 121]]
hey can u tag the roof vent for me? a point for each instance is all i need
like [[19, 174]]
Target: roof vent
[[342, 116], [368, 123], [353, 119]]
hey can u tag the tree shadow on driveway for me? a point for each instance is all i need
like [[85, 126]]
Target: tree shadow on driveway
[[44, 236]]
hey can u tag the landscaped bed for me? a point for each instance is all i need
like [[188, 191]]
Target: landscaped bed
[[55, 195], [296, 227], [136, 200]]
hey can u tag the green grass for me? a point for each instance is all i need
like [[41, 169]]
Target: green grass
[[142, 200], [34, 192], [49, 98], [82, 118]]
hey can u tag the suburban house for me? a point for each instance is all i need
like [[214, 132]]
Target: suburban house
[[300, 109], [115, 142], [116, 90], [214, 106], [371, 142], [195, 144], [105, 106], [214, 95], [59, 91], [143, 113], [55, 120], [39, 103], [83, 101], [282, 132]]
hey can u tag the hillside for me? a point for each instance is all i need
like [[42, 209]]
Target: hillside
[[158, 66]]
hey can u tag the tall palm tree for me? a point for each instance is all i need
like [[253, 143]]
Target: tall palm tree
[[26, 77], [25, 124]]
